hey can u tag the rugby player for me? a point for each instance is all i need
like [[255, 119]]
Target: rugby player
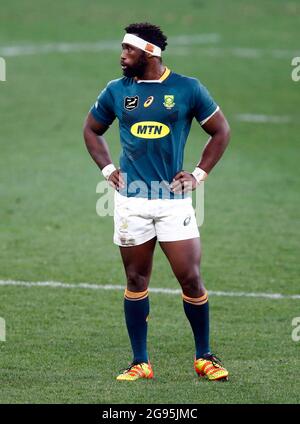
[[155, 107]]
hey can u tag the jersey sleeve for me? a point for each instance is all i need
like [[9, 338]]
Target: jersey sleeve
[[204, 105], [103, 108]]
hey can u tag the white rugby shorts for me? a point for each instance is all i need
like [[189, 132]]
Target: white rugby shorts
[[138, 220]]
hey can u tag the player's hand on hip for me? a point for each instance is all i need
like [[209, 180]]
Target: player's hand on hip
[[183, 182], [116, 180]]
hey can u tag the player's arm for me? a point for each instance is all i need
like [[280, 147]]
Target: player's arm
[[98, 149], [218, 129]]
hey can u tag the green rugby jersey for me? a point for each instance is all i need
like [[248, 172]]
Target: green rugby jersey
[[154, 122]]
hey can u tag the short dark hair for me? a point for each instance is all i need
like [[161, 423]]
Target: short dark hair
[[148, 32]]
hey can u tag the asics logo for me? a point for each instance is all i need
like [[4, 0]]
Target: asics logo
[[187, 221], [149, 101]]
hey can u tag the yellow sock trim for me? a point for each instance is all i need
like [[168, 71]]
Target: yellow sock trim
[[196, 300], [129, 295]]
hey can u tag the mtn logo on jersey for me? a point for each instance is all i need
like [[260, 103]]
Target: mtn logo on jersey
[[149, 129]]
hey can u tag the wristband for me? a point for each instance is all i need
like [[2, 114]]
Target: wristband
[[108, 170], [199, 174]]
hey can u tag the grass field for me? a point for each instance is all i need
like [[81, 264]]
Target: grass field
[[67, 345]]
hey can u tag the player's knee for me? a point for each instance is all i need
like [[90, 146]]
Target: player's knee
[[137, 282], [192, 285]]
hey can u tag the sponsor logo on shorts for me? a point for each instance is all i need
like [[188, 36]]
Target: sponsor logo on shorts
[[149, 129], [187, 221], [131, 103], [124, 225], [127, 241]]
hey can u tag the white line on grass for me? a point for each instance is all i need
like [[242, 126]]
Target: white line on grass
[[240, 52], [56, 284], [262, 119], [182, 45], [104, 45]]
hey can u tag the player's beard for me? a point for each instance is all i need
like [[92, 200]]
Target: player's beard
[[138, 69]]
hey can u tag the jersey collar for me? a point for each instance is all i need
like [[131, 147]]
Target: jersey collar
[[161, 79]]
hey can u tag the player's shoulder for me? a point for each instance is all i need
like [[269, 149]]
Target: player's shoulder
[[117, 83], [186, 81]]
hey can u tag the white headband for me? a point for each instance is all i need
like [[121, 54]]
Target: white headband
[[142, 44]]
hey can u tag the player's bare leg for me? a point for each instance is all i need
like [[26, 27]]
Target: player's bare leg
[[185, 257], [137, 261]]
